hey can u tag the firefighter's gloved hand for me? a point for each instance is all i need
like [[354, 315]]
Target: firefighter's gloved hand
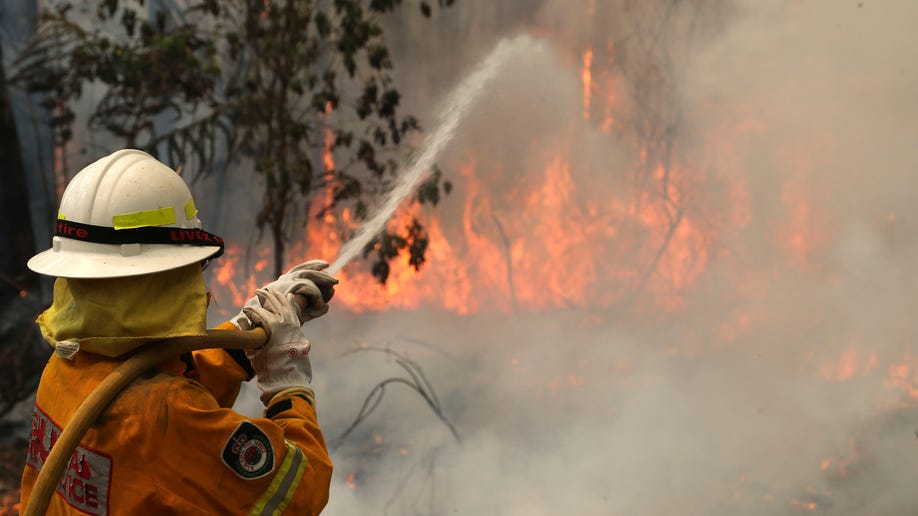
[[313, 301], [310, 298], [283, 362]]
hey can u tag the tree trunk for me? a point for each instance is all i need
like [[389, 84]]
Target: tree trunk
[[22, 354], [16, 240]]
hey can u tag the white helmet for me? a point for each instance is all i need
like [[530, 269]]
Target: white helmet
[[124, 215]]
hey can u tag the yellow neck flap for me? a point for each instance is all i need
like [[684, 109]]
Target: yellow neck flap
[[114, 316]]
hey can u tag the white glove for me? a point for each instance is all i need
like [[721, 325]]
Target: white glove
[[313, 293], [283, 362]]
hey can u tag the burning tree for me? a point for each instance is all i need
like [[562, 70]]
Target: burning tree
[[301, 90]]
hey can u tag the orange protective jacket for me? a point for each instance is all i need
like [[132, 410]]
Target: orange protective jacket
[[170, 444]]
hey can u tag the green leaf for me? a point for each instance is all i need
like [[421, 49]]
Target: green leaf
[[129, 21], [429, 190], [388, 103], [361, 210], [350, 64], [417, 244], [323, 25], [380, 270], [378, 57], [383, 6]]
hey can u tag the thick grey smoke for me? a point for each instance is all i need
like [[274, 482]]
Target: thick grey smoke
[[770, 390]]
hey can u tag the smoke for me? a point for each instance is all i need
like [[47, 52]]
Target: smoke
[[771, 389]]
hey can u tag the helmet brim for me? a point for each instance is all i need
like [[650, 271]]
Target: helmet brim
[[155, 258]]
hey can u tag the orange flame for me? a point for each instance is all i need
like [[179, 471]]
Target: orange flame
[[811, 506], [850, 364], [548, 242], [903, 377], [9, 504], [587, 76], [839, 468], [806, 231]]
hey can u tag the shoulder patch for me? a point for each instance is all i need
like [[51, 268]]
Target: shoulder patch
[[249, 452]]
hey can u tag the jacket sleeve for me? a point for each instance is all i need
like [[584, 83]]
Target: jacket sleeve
[[221, 371], [224, 463]]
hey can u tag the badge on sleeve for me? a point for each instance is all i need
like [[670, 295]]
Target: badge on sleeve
[[248, 452]]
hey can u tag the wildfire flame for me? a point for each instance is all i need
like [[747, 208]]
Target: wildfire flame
[[850, 364], [587, 75], [903, 377], [546, 240]]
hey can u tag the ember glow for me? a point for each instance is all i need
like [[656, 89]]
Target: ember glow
[[903, 377]]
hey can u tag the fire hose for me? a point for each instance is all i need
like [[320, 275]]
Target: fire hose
[[99, 399]]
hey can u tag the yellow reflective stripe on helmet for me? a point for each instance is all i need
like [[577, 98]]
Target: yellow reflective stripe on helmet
[[275, 499], [140, 219], [60, 216], [190, 210]]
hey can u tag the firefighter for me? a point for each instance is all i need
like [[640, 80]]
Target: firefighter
[[128, 255]]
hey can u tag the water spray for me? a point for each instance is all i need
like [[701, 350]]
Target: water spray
[[453, 110]]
